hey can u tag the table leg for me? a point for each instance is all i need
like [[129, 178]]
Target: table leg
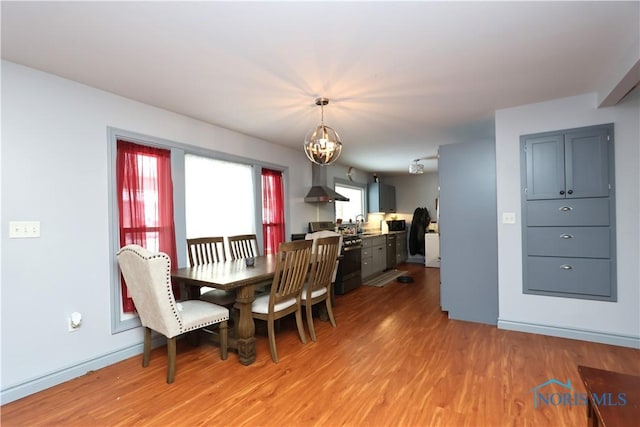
[[246, 328]]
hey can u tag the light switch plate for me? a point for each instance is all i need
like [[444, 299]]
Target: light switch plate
[[24, 229], [508, 217]]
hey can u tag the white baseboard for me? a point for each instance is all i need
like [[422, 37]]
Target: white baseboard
[[576, 334], [58, 377]]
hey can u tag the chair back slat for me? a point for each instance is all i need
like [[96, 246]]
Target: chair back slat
[[292, 267], [206, 250], [243, 246]]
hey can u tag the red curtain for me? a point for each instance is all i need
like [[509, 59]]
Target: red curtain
[[272, 210], [145, 202]]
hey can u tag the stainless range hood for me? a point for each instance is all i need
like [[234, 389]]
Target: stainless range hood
[[320, 192]]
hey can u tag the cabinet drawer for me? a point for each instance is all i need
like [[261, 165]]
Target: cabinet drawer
[[569, 275], [379, 240], [366, 242], [586, 242], [568, 212], [366, 253]]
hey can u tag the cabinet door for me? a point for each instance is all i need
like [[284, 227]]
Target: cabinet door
[[401, 248], [382, 197], [587, 163], [391, 251], [387, 198], [544, 157], [379, 257], [367, 266]]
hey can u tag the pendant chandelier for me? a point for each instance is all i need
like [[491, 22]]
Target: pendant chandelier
[[322, 145], [416, 168]]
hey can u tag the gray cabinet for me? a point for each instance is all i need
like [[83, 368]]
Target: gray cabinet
[[569, 213], [382, 197], [569, 164], [391, 251], [374, 255], [401, 247]]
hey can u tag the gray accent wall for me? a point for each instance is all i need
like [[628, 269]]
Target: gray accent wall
[[468, 231]]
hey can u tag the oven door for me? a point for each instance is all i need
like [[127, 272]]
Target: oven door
[[349, 274]]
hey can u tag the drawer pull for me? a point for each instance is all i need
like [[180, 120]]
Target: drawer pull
[[567, 236], [566, 267], [566, 208]]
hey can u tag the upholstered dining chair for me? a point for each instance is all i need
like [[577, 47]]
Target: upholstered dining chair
[[292, 265], [324, 260], [207, 250], [243, 246], [148, 278]]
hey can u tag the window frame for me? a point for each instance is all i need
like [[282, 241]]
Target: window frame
[[354, 185], [120, 322]]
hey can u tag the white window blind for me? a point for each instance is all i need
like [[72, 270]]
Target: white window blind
[[219, 197]]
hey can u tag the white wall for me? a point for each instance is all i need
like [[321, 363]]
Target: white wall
[[414, 191], [54, 170], [609, 322]]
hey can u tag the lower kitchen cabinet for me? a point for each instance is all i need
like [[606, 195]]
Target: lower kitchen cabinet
[[402, 252], [391, 251], [374, 255]]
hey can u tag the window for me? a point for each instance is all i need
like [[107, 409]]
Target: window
[[355, 206], [219, 197], [209, 193], [145, 202], [272, 210]]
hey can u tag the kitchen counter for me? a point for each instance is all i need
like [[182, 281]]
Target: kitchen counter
[[379, 233]]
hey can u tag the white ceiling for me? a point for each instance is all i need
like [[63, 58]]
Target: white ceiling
[[403, 78]]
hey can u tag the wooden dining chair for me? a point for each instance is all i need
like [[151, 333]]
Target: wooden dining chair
[[292, 265], [148, 278], [207, 250], [324, 260], [243, 246]]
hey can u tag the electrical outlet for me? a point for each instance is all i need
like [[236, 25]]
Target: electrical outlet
[[24, 229], [508, 217], [74, 321]]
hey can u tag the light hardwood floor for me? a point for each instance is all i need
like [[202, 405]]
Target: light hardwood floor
[[394, 360]]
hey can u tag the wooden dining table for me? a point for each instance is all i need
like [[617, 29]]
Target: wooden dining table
[[232, 275]]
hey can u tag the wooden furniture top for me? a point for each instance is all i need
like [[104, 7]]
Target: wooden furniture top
[[228, 274], [600, 381]]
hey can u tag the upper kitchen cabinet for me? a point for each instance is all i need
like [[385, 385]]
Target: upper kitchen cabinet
[[568, 164], [382, 197]]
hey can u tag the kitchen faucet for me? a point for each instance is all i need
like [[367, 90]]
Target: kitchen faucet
[[359, 223]]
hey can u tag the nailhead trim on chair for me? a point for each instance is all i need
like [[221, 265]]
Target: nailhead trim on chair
[[174, 308]]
